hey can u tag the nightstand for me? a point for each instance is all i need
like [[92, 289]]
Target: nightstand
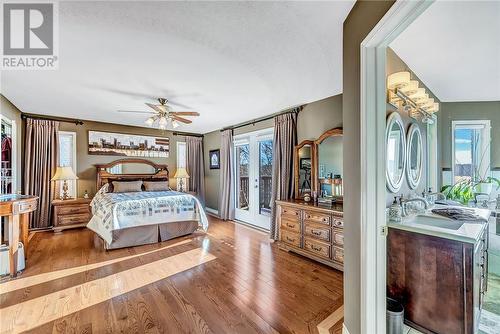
[[70, 213]]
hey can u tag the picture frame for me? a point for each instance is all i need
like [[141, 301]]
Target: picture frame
[[127, 144], [214, 159]]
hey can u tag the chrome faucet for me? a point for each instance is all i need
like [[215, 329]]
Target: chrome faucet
[[428, 194], [404, 202]]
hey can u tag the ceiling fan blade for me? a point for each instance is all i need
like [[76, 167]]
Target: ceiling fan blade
[[154, 107], [137, 111], [185, 113], [181, 119]]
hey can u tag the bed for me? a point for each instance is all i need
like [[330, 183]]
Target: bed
[[127, 219]]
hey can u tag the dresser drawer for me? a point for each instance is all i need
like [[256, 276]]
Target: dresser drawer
[[317, 247], [338, 237], [81, 218], [290, 238], [338, 254], [290, 224], [290, 212], [338, 222], [73, 209], [24, 207], [317, 217], [317, 231]]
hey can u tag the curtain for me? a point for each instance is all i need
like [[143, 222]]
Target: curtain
[[285, 139], [196, 166], [41, 156], [226, 195]]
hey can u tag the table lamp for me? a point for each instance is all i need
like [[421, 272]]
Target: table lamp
[[65, 174], [181, 173]]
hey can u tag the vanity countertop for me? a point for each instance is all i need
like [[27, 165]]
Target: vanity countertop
[[469, 232]]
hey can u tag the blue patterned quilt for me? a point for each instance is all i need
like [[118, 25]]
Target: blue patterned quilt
[[114, 211]]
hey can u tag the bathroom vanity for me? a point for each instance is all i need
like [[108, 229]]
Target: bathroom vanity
[[437, 268]]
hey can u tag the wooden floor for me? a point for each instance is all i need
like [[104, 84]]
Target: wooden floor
[[229, 280]]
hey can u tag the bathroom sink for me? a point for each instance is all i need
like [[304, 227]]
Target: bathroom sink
[[435, 221]]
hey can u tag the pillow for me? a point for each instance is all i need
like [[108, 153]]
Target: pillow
[[127, 187], [104, 189], [156, 186]]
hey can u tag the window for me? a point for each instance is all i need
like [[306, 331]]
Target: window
[[471, 150], [182, 161], [67, 157]]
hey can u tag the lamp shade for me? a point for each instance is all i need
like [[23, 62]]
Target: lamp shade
[[411, 88], [181, 173], [398, 80], [64, 173]]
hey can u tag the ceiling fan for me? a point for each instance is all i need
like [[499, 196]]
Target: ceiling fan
[[163, 115]]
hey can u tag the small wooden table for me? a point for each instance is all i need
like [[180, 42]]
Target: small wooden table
[[17, 208]]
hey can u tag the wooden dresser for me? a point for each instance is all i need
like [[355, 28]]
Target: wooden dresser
[[70, 213], [313, 231]]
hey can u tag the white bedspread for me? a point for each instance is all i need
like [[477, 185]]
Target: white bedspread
[[114, 211]]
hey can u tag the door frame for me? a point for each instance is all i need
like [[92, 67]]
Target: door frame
[[254, 156], [373, 183], [13, 125]]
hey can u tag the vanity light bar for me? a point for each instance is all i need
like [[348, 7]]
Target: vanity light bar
[[405, 94]]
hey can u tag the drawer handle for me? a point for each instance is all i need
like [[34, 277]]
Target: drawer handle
[[317, 249], [290, 225], [291, 240], [316, 232]]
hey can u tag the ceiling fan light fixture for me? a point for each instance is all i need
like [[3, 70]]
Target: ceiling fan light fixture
[[163, 121], [150, 121], [175, 124]]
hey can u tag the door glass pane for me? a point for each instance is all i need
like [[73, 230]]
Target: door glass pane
[[242, 173], [265, 176]]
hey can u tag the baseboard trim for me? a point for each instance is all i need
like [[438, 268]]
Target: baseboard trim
[[330, 321], [212, 212]]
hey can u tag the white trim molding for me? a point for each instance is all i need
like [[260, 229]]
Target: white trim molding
[[373, 183], [212, 212]]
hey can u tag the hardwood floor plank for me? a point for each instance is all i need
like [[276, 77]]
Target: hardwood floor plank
[[250, 286]]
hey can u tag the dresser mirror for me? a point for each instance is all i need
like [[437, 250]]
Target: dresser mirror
[[330, 161], [395, 152], [415, 156], [318, 166], [303, 169]]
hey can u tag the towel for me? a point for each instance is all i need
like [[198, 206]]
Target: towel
[[458, 214]]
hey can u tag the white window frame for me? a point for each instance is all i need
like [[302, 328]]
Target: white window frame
[[181, 145], [74, 183], [486, 124]]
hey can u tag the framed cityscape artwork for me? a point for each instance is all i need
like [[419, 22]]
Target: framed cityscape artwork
[[129, 145]]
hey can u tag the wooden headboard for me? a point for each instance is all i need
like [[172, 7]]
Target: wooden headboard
[[103, 176]]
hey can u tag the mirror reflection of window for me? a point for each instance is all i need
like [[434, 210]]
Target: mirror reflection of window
[[305, 155], [6, 160]]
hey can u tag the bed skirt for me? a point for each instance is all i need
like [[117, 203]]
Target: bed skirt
[[150, 234]]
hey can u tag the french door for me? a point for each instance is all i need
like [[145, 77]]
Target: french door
[[253, 170]]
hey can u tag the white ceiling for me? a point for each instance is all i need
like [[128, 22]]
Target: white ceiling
[[454, 48], [230, 61]]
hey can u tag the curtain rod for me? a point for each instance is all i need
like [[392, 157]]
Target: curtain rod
[[80, 122], [50, 118], [188, 134], [264, 118]]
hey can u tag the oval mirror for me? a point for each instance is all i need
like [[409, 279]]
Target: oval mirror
[[395, 152], [415, 156]]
